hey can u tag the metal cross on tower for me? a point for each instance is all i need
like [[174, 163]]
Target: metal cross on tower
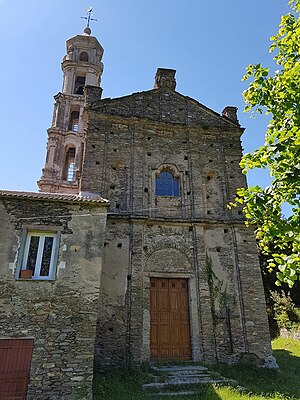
[[89, 17]]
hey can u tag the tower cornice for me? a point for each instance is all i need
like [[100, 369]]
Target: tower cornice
[[67, 96], [96, 67], [86, 39]]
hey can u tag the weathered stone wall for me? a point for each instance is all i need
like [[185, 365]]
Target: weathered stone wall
[[128, 141], [124, 154], [111, 344], [227, 318], [60, 314]]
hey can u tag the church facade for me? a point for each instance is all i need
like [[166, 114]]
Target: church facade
[[181, 277], [176, 272]]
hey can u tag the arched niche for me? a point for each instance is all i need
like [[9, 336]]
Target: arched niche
[[83, 56]]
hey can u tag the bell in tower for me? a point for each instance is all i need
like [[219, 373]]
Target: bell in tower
[[81, 66]]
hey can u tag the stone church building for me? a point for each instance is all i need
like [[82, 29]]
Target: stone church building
[[164, 271]]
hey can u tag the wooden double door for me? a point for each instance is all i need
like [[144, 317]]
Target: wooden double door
[[170, 321]]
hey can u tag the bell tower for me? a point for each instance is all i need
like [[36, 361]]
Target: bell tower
[[81, 66]]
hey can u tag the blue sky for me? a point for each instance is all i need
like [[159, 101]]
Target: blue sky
[[208, 43]]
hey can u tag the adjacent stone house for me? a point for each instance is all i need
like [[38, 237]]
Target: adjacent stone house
[[51, 263], [180, 277]]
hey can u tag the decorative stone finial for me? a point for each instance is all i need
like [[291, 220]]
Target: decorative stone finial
[[87, 31], [165, 78]]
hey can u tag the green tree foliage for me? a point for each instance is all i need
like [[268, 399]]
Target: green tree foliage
[[277, 94], [284, 311]]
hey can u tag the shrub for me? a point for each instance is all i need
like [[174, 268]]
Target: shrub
[[285, 313]]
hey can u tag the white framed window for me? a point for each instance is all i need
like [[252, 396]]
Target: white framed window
[[39, 256]]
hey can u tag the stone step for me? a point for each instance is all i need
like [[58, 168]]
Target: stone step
[[178, 383], [180, 380], [176, 368], [187, 376], [191, 379], [173, 394], [184, 375]]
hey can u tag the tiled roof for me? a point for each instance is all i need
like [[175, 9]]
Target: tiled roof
[[73, 198]]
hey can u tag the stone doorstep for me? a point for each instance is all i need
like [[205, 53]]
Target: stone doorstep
[[175, 372], [184, 373], [179, 368]]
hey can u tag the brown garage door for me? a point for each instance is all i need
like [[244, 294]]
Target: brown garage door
[[170, 324], [15, 361]]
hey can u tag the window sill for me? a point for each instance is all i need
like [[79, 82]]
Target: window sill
[[65, 182], [35, 279], [166, 196]]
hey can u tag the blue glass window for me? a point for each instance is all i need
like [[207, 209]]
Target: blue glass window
[[166, 184]]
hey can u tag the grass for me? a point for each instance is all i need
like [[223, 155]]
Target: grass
[[269, 384], [261, 384]]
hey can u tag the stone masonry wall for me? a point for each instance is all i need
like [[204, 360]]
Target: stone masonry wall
[[224, 324], [128, 141], [61, 314], [112, 331]]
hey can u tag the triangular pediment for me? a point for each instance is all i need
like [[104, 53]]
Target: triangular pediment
[[163, 105]]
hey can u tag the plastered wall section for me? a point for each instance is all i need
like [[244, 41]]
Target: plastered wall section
[[60, 315], [112, 347]]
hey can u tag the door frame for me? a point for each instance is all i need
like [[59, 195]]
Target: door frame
[[194, 309]]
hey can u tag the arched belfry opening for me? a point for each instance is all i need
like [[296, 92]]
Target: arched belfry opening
[[79, 85], [69, 169], [74, 120]]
